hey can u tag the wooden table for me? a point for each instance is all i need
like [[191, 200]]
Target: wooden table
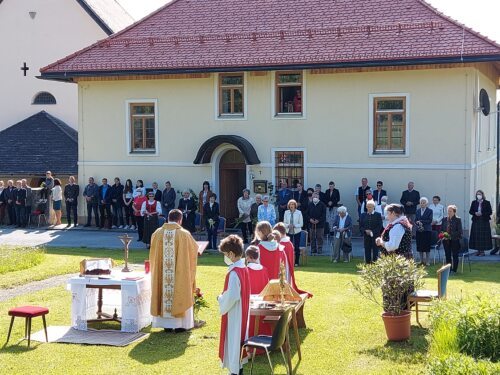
[[297, 320]]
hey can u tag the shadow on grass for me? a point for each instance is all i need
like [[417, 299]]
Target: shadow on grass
[[412, 351], [160, 346]]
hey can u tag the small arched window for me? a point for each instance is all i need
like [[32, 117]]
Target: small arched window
[[44, 97]]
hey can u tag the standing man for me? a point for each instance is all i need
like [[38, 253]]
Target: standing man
[[321, 195], [370, 224], [300, 196], [105, 203], [10, 199], [173, 257], [157, 192], [117, 203], [168, 198], [2, 202], [379, 193], [71, 193], [284, 195], [91, 195], [20, 204], [29, 199], [317, 218], [410, 199]]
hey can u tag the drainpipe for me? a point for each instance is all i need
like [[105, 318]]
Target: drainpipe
[[498, 156]]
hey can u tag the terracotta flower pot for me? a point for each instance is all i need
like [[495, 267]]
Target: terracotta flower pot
[[397, 327]]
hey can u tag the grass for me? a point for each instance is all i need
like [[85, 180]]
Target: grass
[[344, 333], [17, 258]]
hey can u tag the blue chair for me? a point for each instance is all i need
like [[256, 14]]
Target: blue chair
[[426, 296], [464, 253], [303, 247]]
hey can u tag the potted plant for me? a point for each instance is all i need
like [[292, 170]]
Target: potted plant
[[396, 277]]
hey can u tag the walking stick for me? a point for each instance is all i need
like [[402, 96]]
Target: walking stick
[[314, 239]]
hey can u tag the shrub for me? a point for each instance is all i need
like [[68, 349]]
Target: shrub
[[460, 364], [19, 258]]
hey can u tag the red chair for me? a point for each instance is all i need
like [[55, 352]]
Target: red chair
[[28, 312]]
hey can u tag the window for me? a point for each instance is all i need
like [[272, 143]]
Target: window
[[44, 98], [231, 91], [389, 123], [143, 127], [288, 93], [289, 166]]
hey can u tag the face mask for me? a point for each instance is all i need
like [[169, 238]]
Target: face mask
[[227, 260], [479, 197], [315, 200]]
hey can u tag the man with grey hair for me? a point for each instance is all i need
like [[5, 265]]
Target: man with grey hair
[[410, 199], [317, 218], [188, 209]]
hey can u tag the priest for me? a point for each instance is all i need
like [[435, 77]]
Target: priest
[[173, 257]]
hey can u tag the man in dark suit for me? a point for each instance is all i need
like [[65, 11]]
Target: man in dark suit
[[410, 199], [10, 202], [91, 195], [71, 193], [317, 218], [211, 217], [168, 198], [157, 192], [117, 203], [370, 224], [300, 196], [188, 209], [379, 193], [284, 196], [321, 195], [20, 204], [105, 203]]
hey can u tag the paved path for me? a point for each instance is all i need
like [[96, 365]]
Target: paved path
[[34, 286]]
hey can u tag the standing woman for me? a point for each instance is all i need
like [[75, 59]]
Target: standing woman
[[137, 206], [150, 210], [244, 208], [396, 237], [57, 200], [211, 215], [437, 213], [294, 221], [453, 226], [128, 201], [139, 185], [480, 233], [203, 198], [423, 221]]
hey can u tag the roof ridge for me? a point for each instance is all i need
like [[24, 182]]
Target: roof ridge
[[458, 23], [61, 125]]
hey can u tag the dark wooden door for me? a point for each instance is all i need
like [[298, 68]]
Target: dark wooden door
[[232, 181]]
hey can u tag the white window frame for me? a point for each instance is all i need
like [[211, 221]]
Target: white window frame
[[273, 163], [230, 117], [128, 125], [286, 116], [371, 125]]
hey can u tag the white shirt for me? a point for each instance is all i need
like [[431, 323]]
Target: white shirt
[[437, 212], [298, 221], [395, 235], [158, 207], [56, 193]]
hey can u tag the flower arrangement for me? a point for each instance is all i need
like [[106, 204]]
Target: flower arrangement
[[444, 236], [211, 223], [199, 303]]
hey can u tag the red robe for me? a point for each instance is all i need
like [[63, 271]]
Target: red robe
[[271, 255], [290, 258], [259, 278], [244, 278]]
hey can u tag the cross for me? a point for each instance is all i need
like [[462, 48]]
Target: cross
[[24, 68]]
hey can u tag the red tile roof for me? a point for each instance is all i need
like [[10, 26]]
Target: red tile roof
[[198, 35]]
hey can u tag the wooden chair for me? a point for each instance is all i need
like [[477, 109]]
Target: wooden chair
[[28, 312], [426, 296], [278, 340], [303, 247]]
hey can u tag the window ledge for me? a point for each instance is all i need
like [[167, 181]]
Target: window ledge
[[231, 116], [289, 115], [145, 152], [389, 153]]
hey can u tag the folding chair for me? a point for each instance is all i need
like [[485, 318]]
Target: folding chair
[[435, 243], [464, 253], [426, 296], [303, 247]]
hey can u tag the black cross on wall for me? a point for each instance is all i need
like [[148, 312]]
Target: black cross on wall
[[24, 68]]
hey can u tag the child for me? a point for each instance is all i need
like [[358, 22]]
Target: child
[[290, 254], [271, 254], [234, 305]]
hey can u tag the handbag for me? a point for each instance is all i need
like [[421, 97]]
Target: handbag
[[346, 244]]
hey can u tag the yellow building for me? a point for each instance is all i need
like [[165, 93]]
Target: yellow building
[[244, 95]]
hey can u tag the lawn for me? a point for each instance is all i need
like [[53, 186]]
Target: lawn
[[345, 334]]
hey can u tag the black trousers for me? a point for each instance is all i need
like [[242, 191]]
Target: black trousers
[[20, 215], [11, 211], [105, 213], [246, 230], [451, 250], [72, 207], [371, 249], [140, 227], [212, 235], [92, 207], [129, 215], [295, 238]]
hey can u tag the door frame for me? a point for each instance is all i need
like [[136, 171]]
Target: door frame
[[216, 157]]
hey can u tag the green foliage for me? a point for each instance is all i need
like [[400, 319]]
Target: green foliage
[[394, 276], [460, 364], [19, 258], [469, 325]]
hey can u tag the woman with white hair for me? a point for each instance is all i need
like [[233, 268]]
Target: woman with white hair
[[342, 228], [370, 224], [188, 209], [423, 222]]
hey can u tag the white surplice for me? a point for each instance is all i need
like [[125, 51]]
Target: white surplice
[[230, 304]]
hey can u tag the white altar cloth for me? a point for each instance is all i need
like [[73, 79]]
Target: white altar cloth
[[132, 302]]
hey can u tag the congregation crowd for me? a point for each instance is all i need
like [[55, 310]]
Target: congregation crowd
[[317, 212]]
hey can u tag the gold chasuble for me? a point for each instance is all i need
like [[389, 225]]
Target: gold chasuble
[[173, 258]]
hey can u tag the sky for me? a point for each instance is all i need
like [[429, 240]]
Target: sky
[[480, 15]]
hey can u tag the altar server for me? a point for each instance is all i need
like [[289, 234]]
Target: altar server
[[234, 305], [173, 258], [271, 253]]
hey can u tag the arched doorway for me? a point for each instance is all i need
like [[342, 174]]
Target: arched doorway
[[232, 181]]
